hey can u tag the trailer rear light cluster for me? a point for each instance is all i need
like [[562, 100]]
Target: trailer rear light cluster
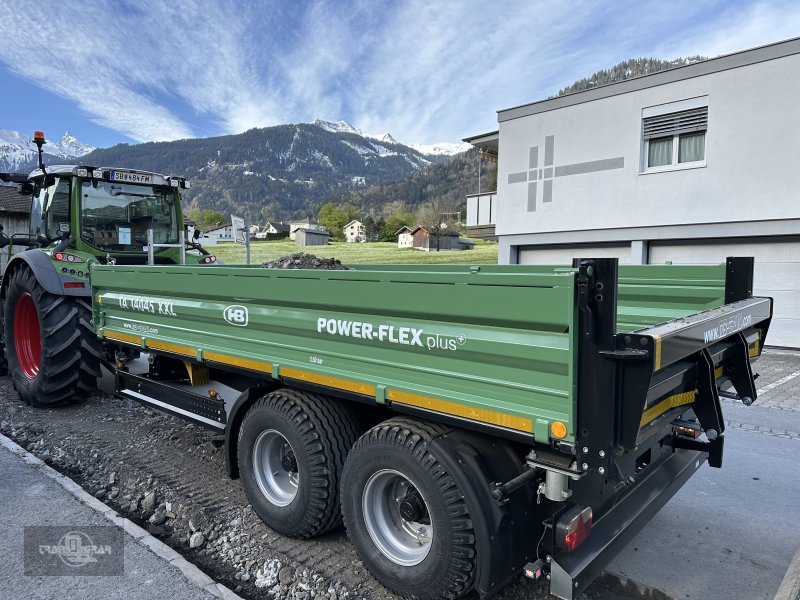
[[573, 527], [208, 260], [67, 257]]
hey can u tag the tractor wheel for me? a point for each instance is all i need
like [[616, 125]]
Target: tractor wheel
[[292, 448], [52, 352], [3, 360], [405, 514]]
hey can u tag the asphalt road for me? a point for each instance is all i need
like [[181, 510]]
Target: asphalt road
[[730, 533]]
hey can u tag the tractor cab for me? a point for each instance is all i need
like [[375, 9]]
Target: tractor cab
[[107, 214]]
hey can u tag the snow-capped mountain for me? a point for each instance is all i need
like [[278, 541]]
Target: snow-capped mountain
[[440, 149], [18, 152]]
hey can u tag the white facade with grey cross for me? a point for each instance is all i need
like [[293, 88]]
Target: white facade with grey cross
[[689, 165]]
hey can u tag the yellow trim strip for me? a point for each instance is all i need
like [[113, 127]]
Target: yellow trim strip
[[123, 337], [366, 389], [244, 363], [669, 402], [657, 340], [460, 410], [174, 348]]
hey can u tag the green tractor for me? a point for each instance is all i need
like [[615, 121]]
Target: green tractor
[[79, 215]]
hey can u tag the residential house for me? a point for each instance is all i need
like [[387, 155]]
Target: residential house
[[689, 165], [355, 231], [405, 237], [274, 230], [215, 235]]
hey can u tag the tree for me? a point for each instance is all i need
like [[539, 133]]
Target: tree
[[330, 218], [205, 218], [394, 222]]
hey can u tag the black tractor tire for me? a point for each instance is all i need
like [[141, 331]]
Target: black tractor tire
[[400, 448], [3, 359], [309, 436], [52, 351]]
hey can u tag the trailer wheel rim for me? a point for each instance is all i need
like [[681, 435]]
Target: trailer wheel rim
[[27, 336], [275, 468], [404, 541]]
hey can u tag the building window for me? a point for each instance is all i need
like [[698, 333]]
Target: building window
[[675, 139]]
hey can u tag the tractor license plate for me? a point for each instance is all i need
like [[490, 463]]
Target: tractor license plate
[[130, 177]]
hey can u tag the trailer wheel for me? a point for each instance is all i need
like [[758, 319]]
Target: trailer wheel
[[292, 447], [405, 514], [53, 355]]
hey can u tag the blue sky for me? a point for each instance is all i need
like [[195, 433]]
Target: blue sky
[[426, 71]]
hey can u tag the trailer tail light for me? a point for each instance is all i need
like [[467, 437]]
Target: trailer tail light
[[208, 260], [573, 527]]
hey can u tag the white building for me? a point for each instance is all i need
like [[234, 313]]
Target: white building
[[308, 224], [405, 237], [215, 235], [689, 165], [355, 231]]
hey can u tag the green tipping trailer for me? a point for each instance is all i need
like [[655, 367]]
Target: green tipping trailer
[[469, 422]]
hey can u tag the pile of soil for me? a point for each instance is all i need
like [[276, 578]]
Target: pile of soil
[[303, 260]]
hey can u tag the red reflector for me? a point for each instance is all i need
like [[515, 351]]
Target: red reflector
[[574, 527], [73, 284]]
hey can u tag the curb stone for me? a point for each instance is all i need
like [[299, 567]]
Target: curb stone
[[191, 572], [790, 586]]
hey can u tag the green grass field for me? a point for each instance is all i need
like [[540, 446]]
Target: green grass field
[[373, 253]]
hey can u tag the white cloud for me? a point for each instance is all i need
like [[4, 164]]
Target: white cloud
[[425, 71]]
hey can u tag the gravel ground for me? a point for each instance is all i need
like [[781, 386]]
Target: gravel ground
[[169, 477], [303, 260]]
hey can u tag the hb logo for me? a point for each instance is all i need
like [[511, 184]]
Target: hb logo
[[236, 315]]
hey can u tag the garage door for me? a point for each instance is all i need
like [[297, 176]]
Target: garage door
[[777, 274], [563, 255]]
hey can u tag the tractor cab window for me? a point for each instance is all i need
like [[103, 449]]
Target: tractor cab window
[[50, 208], [116, 216]]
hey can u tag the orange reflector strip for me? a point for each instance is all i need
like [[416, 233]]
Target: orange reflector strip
[[325, 380], [483, 415], [123, 337], [244, 363], [167, 347], [667, 403]]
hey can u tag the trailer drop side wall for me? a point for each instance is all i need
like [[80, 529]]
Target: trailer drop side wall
[[567, 404]]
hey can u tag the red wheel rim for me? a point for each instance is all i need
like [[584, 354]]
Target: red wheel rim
[[27, 337]]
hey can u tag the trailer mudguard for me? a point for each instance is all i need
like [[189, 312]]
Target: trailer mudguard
[[506, 532], [45, 274]]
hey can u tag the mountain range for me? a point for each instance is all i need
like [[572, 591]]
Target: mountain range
[[288, 171], [19, 153]]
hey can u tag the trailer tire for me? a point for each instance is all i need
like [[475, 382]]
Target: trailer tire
[[395, 458], [292, 447], [52, 352]]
